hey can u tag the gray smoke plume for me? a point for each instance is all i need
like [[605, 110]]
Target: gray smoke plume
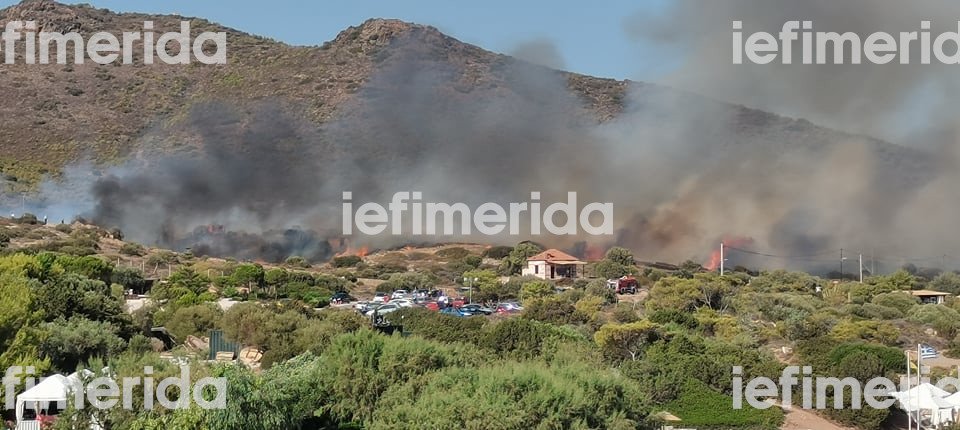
[[683, 171], [907, 104], [851, 192]]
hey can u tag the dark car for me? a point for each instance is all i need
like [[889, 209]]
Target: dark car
[[452, 311], [342, 297], [475, 309]]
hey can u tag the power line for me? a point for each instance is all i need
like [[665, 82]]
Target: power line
[[813, 257], [767, 254]]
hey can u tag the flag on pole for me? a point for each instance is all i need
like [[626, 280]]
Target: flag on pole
[[927, 351]]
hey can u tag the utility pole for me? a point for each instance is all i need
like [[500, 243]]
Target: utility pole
[[721, 258], [841, 264], [861, 268]]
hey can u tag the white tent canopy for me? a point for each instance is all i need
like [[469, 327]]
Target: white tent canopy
[[47, 393], [927, 397], [924, 396]]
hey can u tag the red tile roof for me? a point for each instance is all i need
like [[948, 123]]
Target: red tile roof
[[554, 256]]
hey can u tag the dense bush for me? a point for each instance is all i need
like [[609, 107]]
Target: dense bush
[[134, 249], [511, 395], [497, 252], [297, 261], [703, 408], [346, 261], [668, 316], [943, 319], [899, 300], [436, 326], [890, 359], [454, 253]]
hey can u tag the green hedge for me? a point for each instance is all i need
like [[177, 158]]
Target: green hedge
[[701, 407]]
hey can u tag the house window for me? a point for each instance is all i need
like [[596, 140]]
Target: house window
[[536, 270]]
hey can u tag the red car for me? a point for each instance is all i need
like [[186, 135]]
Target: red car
[[508, 308]]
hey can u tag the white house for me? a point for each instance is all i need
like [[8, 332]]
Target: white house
[[554, 264]]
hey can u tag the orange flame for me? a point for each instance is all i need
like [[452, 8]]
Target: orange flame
[[348, 250], [714, 262]]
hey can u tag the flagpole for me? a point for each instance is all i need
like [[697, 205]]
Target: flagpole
[[919, 382], [909, 415]]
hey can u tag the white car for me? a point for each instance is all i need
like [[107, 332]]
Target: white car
[[399, 294], [385, 309], [403, 303]]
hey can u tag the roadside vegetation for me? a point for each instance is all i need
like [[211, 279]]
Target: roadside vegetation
[[577, 356]]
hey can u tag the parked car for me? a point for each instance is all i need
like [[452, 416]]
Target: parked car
[[367, 307], [421, 294], [475, 309], [381, 297], [403, 303], [508, 308], [452, 311], [399, 294], [384, 309], [342, 297], [433, 306]]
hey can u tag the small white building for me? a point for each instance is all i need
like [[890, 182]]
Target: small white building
[[554, 264], [928, 297]]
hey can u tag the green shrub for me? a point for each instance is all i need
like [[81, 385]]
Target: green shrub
[[668, 316], [625, 313], [454, 253], [890, 358], [701, 407], [297, 261], [553, 310], [347, 261], [436, 326], [497, 252], [899, 300], [162, 257], [505, 395], [134, 249]]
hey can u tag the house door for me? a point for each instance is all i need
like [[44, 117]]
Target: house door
[[553, 272]]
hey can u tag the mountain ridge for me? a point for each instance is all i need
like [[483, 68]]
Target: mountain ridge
[[67, 112]]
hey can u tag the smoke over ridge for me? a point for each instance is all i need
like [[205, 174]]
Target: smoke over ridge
[[683, 171]]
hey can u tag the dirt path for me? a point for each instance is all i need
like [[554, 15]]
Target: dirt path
[[801, 419]]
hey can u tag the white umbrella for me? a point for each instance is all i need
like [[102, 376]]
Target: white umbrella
[[924, 396], [927, 397]]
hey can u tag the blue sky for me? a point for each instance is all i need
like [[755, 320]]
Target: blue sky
[[590, 38]]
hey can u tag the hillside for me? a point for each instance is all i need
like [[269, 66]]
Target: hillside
[[55, 113], [55, 116], [278, 133]]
